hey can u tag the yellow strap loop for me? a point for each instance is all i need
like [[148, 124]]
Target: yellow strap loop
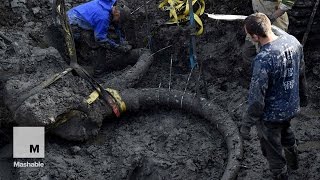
[[199, 22], [201, 8], [114, 93], [179, 12], [186, 11], [162, 5]]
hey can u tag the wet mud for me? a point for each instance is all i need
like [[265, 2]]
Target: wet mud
[[158, 144]]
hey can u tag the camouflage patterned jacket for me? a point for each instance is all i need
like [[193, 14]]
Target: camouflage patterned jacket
[[268, 7], [278, 71], [286, 4], [282, 4]]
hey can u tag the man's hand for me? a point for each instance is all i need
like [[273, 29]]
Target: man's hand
[[245, 132]]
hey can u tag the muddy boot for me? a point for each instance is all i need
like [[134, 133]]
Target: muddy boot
[[291, 154]]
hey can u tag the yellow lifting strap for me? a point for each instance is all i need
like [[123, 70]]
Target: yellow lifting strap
[[114, 93], [179, 12]]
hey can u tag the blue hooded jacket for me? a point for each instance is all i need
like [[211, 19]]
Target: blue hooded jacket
[[94, 15]]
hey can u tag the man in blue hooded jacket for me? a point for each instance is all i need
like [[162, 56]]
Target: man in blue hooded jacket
[[97, 16], [277, 90]]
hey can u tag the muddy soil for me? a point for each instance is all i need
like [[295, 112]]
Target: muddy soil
[[156, 145], [162, 143]]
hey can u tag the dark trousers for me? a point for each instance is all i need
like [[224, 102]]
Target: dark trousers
[[102, 58], [88, 50], [277, 142]]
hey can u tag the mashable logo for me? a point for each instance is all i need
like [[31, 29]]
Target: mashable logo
[[28, 142]]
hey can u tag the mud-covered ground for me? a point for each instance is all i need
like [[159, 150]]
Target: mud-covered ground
[[161, 143]]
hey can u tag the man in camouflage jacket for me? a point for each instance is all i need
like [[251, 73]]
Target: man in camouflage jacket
[[275, 10]]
